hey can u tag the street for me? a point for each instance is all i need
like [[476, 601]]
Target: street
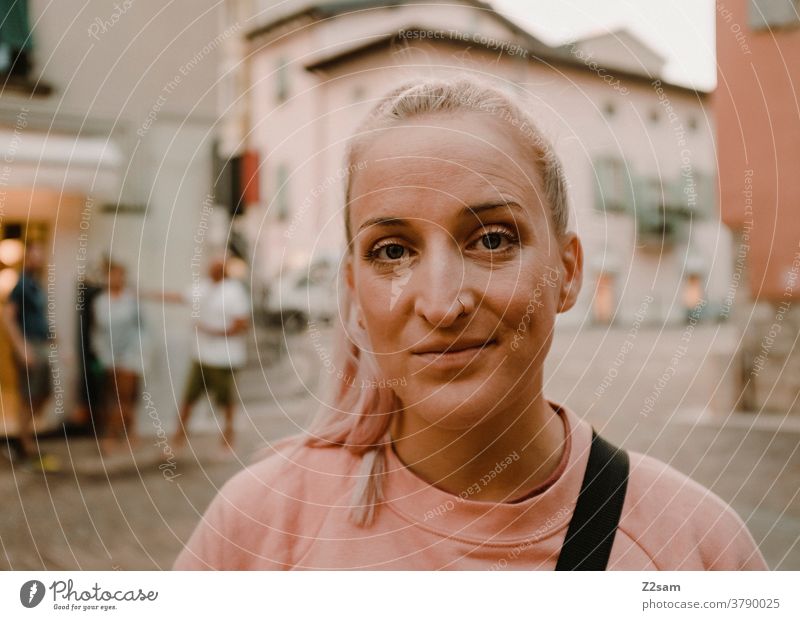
[[129, 513]]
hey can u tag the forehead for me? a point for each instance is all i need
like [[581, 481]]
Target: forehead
[[437, 164]]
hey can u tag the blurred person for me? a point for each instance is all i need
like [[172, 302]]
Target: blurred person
[[118, 338], [220, 307], [25, 320], [87, 416], [437, 447]]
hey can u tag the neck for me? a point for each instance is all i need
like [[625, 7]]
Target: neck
[[526, 440]]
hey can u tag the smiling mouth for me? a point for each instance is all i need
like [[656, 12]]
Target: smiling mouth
[[455, 353]]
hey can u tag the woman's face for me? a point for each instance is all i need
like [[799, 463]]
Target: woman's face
[[448, 208]]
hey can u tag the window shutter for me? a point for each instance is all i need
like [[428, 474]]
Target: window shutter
[[14, 30]]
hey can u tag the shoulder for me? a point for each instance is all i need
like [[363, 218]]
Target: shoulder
[[291, 470], [681, 524], [267, 513]]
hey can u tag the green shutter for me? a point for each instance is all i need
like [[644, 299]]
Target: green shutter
[[765, 14], [14, 30], [613, 191]]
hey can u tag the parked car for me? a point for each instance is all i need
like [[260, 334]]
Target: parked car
[[303, 295]]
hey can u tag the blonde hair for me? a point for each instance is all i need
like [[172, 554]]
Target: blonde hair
[[361, 409]]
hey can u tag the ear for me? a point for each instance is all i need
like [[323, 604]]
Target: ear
[[572, 271]]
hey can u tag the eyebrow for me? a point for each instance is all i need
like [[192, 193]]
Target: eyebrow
[[471, 210]]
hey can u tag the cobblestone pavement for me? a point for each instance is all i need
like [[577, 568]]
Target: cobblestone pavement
[[128, 514]]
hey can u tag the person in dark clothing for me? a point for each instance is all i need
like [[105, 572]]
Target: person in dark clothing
[[25, 319], [87, 418]]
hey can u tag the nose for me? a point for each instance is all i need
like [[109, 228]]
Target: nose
[[438, 280]]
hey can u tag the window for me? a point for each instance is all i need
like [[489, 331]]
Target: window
[[609, 109], [282, 192], [766, 14], [659, 219], [16, 44], [282, 81], [706, 192], [613, 188]]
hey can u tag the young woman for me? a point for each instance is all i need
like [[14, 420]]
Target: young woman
[[438, 449], [118, 338]]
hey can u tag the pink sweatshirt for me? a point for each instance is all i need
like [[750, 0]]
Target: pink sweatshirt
[[281, 514]]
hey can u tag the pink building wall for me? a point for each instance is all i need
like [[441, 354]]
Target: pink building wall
[[758, 146]]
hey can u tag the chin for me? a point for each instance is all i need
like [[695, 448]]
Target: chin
[[456, 409]]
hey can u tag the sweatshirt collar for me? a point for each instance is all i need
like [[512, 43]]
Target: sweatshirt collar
[[464, 517]]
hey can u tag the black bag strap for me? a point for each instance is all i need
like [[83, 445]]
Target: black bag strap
[[591, 530]]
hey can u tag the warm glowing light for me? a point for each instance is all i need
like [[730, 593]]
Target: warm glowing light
[[11, 251]]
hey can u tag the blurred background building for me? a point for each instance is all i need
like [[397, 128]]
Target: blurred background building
[[758, 145], [638, 150]]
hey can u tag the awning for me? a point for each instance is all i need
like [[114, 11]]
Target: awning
[[61, 162]]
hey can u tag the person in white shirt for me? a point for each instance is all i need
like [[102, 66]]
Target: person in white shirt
[[220, 307], [119, 345]]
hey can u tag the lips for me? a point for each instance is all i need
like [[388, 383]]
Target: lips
[[452, 348], [459, 357]]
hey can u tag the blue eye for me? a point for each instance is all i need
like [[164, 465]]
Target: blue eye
[[394, 251], [494, 240]]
